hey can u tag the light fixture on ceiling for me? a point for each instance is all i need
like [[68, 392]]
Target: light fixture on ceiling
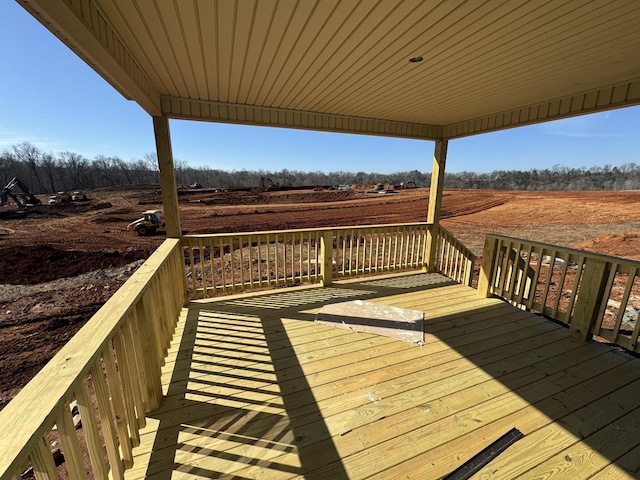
[[415, 59]]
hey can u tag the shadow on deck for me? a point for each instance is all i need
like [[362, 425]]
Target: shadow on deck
[[255, 388]]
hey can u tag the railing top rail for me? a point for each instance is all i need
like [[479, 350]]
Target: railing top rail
[[302, 230], [31, 414], [573, 251]]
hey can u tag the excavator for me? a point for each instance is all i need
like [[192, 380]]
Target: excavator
[[19, 193]]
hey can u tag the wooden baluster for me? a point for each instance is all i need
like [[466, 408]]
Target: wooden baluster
[[406, 239], [136, 373], [623, 302], [223, 267], [326, 258], [516, 263], [194, 283], [574, 291], [301, 257], [90, 428], [70, 445], [149, 354], [259, 255], [44, 466], [356, 238], [560, 286], [115, 387], [106, 420], [232, 258], [613, 271]]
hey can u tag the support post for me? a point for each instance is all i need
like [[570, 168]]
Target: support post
[[167, 176], [435, 202], [326, 256], [489, 254]]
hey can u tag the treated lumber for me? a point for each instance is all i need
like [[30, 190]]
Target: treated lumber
[[432, 388], [455, 420], [584, 458], [530, 419], [626, 467]]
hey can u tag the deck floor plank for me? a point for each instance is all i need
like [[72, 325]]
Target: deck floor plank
[[254, 388]]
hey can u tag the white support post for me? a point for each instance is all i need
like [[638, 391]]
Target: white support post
[[167, 176], [435, 202]]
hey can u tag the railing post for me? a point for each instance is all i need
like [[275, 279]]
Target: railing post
[[590, 298], [489, 254], [431, 248], [326, 256]]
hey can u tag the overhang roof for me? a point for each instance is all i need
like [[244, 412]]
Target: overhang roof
[[344, 65]]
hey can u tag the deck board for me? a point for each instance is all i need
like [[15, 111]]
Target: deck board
[[255, 389]]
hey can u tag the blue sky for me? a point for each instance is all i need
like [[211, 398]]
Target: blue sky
[[51, 99]]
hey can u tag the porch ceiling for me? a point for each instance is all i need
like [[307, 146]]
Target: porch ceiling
[[344, 66]]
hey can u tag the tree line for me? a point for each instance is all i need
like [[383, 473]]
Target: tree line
[[44, 172]]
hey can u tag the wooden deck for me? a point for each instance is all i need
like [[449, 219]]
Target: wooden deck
[[255, 389]]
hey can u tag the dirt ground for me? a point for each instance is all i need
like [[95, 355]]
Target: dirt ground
[[59, 265]]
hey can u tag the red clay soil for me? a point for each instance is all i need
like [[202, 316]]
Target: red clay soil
[[37, 318]]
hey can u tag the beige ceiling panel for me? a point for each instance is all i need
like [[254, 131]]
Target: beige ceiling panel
[[283, 12], [302, 16], [438, 77], [209, 44], [389, 65], [134, 33], [244, 20], [304, 52], [189, 26], [316, 52], [160, 17], [521, 65], [359, 45], [498, 95], [345, 19], [261, 23], [496, 70]]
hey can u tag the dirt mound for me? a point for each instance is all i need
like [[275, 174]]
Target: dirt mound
[[43, 263], [626, 245]]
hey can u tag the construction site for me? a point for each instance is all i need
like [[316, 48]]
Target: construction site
[[59, 263]]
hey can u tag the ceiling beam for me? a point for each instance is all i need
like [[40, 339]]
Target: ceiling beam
[[621, 95], [82, 27], [191, 109]]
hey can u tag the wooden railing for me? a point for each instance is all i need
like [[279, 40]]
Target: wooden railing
[[453, 259], [222, 263], [111, 368], [593, 294]]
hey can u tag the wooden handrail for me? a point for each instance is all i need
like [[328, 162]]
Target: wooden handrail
[[115, 358], [592, 293], [228, 263]]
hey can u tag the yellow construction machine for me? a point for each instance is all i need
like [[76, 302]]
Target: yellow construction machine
[[149, 224]]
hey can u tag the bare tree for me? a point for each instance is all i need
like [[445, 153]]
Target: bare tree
[[30, 156]]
